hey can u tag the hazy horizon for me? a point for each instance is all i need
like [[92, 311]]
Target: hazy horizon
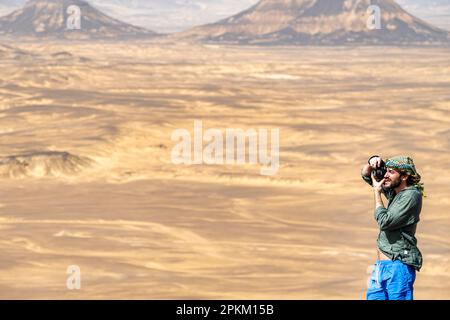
[[167, 16]]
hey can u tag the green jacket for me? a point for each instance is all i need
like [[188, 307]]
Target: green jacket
[[398, 223]]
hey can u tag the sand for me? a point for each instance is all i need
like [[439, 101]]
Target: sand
[[140, 227]]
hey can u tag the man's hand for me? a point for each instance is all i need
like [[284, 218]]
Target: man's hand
[[377, 192], [377, 185], [375, 162]]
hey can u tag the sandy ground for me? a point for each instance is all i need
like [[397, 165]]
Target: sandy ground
[[140, 227]]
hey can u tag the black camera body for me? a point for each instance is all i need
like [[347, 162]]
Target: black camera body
[[380, 171]]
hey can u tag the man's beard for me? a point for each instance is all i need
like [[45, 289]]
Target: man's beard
[[395, 183]]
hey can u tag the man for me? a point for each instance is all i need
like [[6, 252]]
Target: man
[[399, 258]]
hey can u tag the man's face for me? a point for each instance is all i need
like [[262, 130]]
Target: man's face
[[392, 179]]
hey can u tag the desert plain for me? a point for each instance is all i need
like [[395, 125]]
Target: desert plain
[[86, 176]]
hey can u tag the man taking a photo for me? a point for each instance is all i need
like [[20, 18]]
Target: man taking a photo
[[399, 258]]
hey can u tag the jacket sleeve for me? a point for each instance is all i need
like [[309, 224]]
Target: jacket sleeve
[[399, 214], [367, 179]]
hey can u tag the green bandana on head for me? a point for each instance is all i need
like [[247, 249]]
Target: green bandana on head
[[405, 165]]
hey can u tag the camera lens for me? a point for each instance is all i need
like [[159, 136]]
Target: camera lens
[[381, 171]]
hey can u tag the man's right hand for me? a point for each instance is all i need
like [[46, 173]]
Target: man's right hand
[[377, 185]]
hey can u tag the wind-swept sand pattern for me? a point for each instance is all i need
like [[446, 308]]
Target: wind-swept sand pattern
[[140, 227]]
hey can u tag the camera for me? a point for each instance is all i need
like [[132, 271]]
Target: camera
[[380, 171]]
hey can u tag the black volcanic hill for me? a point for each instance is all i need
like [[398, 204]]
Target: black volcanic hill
[[319, 22], [48, 18]]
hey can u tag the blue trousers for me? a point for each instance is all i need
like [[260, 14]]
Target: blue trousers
[[391, 280]]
